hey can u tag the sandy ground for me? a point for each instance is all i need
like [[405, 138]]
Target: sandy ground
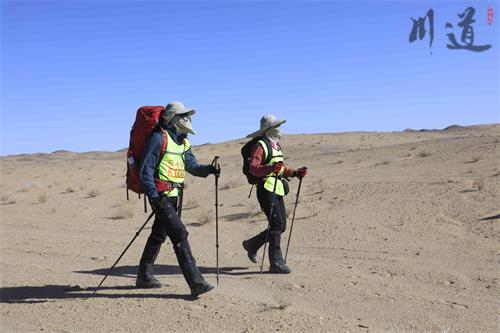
[[395, 232]]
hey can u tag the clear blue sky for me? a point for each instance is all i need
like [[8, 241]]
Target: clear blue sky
[[74, 73]]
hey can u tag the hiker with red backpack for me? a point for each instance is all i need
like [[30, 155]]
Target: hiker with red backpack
[[264, 166], [165, 158]]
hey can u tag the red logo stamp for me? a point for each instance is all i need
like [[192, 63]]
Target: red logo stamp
[[490, 15]]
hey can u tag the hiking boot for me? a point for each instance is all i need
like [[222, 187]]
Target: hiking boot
[[147, 282], [201, 289], [252, 245], [191, 273], [250, 253], [283, 269]]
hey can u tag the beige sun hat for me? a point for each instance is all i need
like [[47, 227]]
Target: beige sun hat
[[175, 108], [266, 122]]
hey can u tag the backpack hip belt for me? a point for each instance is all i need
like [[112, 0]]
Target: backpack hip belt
[[166, 186]]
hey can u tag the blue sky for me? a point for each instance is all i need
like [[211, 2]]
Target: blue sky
[[74, 73]]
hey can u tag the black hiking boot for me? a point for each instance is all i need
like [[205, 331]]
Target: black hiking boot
[[275, 256], [252, 255], [147, 282], [283, 269], [201, 289], [252, 245], [191, 273]]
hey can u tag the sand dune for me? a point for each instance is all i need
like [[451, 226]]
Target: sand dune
[[395, 232]]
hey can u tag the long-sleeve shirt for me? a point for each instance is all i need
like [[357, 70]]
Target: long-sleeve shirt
[[258, 169], [151, 156]]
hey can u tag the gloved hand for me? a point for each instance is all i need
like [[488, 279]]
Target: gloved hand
[[300, 172], [278, 167], [215, 170], [155, 203]]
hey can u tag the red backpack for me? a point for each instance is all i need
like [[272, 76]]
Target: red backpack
[[145, 123]]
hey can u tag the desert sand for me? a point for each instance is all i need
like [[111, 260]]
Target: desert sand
[[395, 232]]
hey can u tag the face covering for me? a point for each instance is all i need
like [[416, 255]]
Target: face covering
[[274, 134], [183, 124]]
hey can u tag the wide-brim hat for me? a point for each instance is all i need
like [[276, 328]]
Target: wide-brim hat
[[267, 122], [176, 108]]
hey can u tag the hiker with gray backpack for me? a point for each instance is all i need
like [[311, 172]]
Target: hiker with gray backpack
[[263, 165]]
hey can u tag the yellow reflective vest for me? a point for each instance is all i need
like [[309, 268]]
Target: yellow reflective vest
[[172, 168], [276, 156]]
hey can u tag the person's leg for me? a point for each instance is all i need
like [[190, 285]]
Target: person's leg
[[280, 206], [178, 234], [277, 264], [253, 244], [145, 275]]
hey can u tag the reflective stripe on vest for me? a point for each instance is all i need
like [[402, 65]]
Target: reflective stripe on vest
[[276, 156], [172, 167]]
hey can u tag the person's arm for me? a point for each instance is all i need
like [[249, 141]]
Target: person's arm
[[258, 170], [193, 167], [256, 158], [149, 161], [289, 173]]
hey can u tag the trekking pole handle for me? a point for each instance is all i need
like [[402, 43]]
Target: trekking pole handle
[[215, 164], [304, 168], [300, 183]]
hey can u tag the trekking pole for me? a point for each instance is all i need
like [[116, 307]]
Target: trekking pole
[[121, 255], [250, 193], [269, 221], [216, 165], [293, 219]]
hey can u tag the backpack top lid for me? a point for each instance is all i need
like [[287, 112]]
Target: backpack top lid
[[146, 121]]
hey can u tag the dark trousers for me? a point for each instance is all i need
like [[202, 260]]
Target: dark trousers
[[167, 223], [277, 221]]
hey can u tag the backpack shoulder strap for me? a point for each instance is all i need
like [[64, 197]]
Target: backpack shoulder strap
[[164, 141]]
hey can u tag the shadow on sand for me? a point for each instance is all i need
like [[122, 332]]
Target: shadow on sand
[[493, 217], [42, 294], [131, 271]]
